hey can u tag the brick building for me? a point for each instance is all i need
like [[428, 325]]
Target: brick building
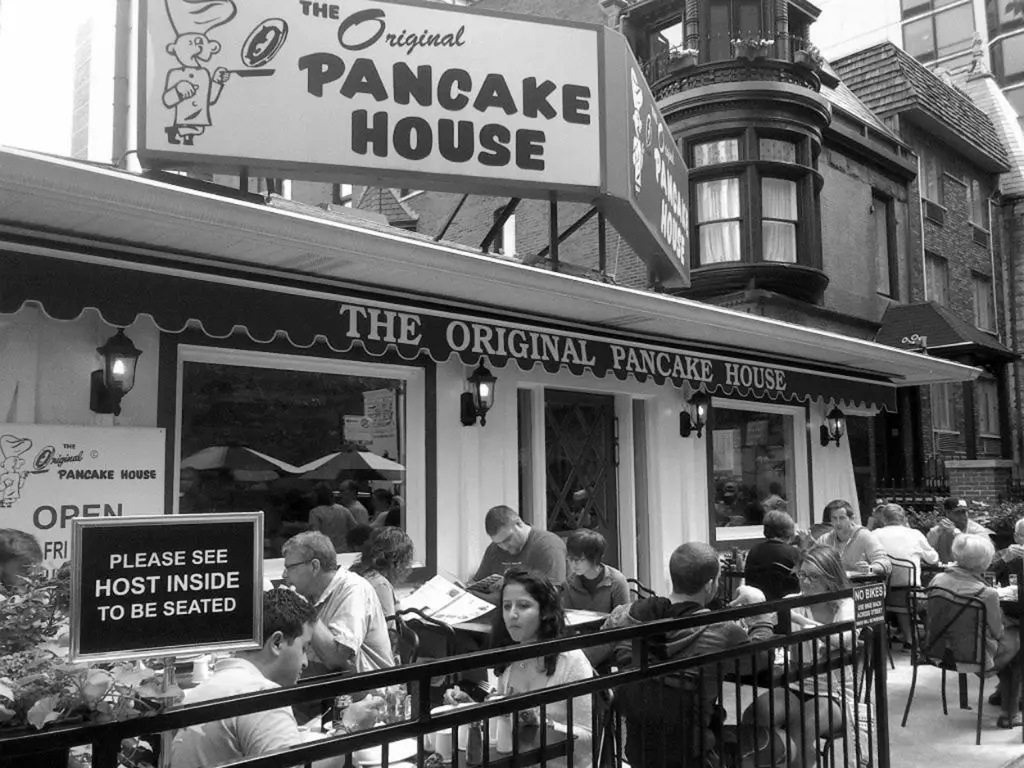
[[956, 306]]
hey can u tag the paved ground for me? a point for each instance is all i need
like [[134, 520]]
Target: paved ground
[[931, 740]]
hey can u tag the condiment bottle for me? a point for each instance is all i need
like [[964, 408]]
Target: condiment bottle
[[475, 748]]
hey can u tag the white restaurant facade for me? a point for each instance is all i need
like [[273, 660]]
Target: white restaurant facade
[[197, 279]]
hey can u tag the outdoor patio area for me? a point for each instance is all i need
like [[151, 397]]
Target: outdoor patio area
[[932, 740]]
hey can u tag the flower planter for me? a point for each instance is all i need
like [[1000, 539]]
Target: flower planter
[[750, 52], [689, 61], [55, 758], [805, 60]]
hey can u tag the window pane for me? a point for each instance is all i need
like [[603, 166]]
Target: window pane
[[778, 199], [778, 150], [942, 407], [937, 278], [718, 41], [932, 188], [753, 463], [718, 199], [919, 39], [986, 397], [954, 29], [711, 152], [747, 22], [984, 314], [880, 227], [1011, 52], [296, 417], [666, 39], [779, 241], [914, 7], [719, 242]]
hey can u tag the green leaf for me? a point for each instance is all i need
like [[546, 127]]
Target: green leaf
[[43, 712], [6, 692]]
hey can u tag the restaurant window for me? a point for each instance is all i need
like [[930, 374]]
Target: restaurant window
[[977, 203], [719, 220], [754, 465], [984, 311], [986, 403], [931, 168], [943, 408], [778, 220], [1008, 59], [936, 275], [261, 431], [714, 152], [883, 239], [940, 34], [728, 20]]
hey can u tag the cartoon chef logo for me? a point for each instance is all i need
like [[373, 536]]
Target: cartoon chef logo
[[191, 88], [642, 129], [12, 468]]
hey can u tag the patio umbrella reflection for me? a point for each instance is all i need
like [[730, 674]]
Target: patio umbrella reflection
[[245, 464], [352, 465]]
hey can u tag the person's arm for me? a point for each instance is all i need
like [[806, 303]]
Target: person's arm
[[598, 655], [550, 559], [315, 521], [878, 561], [925, 550], [620, 591], [330, 649], [993, 612], [565, 596], [263, 732], [933, 535], [488, 564]]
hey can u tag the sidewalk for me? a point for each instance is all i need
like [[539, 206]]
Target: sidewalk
[[931, 740]]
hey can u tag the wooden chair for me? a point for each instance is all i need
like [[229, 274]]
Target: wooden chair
[[955, 642]]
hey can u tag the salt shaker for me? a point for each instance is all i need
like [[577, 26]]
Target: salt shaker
[[504, 742]]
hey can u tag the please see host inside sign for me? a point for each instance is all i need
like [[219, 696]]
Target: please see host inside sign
[[153, 585]]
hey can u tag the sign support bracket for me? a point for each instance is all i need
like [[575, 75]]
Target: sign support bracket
[[570, 231], [499, 223], [553, 236], [451, 217], [602, 245]]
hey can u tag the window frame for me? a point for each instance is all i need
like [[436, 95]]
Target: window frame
[[998, 56], [801, 459], [796, 224], [931, 257], [927, 157], [697, 223], [415, 433], [930, 12], [976, 198], [708, 32], [977, 281], [987, 418], [879, 198], [949, 423]]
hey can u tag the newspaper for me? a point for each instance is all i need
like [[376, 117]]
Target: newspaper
[[441, 600]]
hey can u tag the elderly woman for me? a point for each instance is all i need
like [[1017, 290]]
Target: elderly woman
[[973, 554], [771, 564], [900, 541], [531, 613]]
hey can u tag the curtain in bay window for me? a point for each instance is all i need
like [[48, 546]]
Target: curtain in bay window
[[718, 213], [778, 211]]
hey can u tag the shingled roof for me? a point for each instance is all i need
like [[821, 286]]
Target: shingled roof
[[386, 202], [889, 81]]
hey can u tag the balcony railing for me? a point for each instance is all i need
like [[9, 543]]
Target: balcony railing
[[790, 60], [705, 695]]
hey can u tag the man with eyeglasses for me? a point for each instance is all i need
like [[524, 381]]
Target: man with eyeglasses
[[351, 633]]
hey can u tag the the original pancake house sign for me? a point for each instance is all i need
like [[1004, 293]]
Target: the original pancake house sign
[[415, 94]]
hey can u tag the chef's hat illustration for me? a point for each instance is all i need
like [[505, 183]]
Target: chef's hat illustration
[[11, 446], [199, 15]]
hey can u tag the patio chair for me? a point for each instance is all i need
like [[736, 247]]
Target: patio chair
[[902, 581], [409, 639], [955, 642]]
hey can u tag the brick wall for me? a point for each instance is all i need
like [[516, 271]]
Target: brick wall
[[985, 480]]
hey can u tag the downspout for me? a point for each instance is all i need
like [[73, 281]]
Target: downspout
[[123, 144], [924, 274], [1010, 319]]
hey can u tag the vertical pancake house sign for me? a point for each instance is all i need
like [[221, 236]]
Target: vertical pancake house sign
[[414, 94]]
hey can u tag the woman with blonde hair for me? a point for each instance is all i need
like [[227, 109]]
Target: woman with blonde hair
[[818, 705], [973, 554]]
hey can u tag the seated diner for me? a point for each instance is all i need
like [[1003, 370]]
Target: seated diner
[[530, 612], [592, 585]]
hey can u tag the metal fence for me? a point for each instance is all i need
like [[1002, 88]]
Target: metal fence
[[723, 708]]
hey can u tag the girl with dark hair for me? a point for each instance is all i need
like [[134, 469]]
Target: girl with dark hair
[[385, 559], [531, 613]]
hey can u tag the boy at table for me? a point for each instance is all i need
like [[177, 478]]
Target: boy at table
[[661, 729], [592, 585], [288, 621]]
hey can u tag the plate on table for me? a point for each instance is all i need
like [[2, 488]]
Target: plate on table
[[397, 750]]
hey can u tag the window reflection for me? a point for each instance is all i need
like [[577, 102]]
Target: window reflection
[[753, 465], [263, 439]]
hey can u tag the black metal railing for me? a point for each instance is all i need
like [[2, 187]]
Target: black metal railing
[[721, 705]]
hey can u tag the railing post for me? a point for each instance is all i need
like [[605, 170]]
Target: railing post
[[879, 654]]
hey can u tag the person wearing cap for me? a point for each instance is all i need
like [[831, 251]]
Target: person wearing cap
[[953, 522]]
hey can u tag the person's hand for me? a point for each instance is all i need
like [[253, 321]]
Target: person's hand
[[364, 713], [947, 524], [802, 621], [1015, 552], [529, 718], [456, 697], [747, 595], [863, 566], [221, 75]]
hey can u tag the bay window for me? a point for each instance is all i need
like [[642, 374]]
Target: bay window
[[778, 220], [719, 220]]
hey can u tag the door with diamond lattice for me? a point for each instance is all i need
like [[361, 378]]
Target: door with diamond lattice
[[581, 461]]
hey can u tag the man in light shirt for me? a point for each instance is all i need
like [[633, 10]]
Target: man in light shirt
[[902, 543], [288, 621], [955, 521], [350, 633]]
